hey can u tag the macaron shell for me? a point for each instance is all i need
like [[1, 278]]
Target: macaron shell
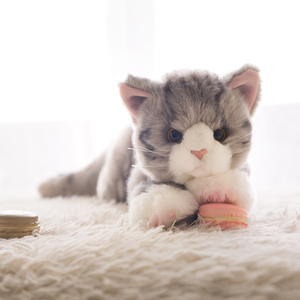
[[15, 234], [222, 209], [225, 224], [17, 223]]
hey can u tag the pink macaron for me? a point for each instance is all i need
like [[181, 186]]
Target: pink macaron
[[224, 215]]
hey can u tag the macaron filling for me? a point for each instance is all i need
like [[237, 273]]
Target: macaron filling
[[223, 215], [222, 218]]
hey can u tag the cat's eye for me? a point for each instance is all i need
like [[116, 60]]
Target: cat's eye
[[174, 136], [220, 135]]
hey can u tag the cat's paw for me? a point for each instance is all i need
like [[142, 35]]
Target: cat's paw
[[218, 195], [111, 183], [108, 189], [230, 187], [161, 205], [162, 218]]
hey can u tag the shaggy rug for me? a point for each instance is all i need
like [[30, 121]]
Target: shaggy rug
[[85, 250]]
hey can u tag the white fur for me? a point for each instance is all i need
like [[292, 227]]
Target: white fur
[[207, 180], [184, 165], [161, 205]]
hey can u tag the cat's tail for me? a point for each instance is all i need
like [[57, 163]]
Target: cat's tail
[[83, 182]]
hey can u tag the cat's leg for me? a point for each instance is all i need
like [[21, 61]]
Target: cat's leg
[[232, 187], [159, 204], [83, 182], [115, 172]]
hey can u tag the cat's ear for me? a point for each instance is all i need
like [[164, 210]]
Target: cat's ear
[[134, 91], [133, 98], [247, 82]]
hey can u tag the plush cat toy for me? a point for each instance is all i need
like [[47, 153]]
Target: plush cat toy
[[187, 146]]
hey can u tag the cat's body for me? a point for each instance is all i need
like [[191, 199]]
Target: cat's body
[[188, 145]]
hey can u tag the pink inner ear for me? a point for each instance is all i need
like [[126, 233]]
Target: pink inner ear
[[133, 98], [247, 83]]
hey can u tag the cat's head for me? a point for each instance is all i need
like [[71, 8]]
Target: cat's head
[[193, 124]]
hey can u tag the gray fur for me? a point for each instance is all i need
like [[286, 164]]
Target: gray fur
[[246, 67], [141, 83], [181, 100], [114, 174]]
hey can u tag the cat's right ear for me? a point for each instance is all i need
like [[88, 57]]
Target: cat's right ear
[[133, 98]]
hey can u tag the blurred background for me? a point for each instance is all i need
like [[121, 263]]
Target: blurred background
[[61, 61]]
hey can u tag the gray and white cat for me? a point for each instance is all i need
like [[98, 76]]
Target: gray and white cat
[[188, 144]]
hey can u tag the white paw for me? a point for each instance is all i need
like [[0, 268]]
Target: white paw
[[161, 205], [232, 187]]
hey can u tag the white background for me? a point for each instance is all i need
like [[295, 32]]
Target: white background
[[60, 62]]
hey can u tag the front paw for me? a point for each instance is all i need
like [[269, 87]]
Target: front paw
[[210, 189], [161, 205], [230, 187], [165, 218], [218, 195]]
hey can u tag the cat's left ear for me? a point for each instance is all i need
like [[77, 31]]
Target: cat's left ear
[[134, 91], [247, 82]]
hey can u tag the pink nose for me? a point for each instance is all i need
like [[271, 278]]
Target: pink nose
[[199, 154]]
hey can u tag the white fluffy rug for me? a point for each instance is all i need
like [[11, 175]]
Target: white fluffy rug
[[85, 250]]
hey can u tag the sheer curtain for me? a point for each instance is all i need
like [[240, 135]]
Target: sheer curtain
[[60, 62]]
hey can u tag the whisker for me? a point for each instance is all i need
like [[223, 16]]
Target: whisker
[[142, 149], [247, 148], [146, 149], [244, 135], [160, 153], [137, 166]]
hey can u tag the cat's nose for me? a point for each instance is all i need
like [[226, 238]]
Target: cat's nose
[[199, 154]]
